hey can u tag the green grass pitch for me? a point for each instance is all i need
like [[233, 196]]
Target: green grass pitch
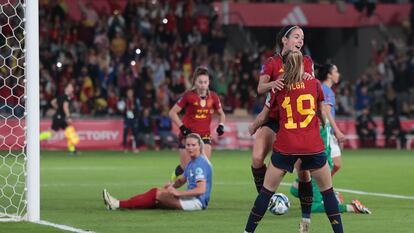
[[71, 193]]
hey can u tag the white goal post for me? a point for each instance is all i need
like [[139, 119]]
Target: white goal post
[[19, 111]]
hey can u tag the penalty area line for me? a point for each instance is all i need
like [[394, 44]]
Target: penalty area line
[[63, 227], [367, 193]]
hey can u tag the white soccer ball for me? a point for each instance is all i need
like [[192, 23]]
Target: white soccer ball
[[279, 204]]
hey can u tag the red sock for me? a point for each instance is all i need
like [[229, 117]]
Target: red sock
[[334, 170], [140, 201]]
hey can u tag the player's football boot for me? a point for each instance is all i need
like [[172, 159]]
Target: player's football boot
[[304, 227], [359, 207], [111, 203]]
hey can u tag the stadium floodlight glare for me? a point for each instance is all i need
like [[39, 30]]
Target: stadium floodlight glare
[[164, 20], [133, 63], [138, 51], [19, 148], [59, 64]]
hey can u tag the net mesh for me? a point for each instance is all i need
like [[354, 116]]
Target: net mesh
[[12, 111]]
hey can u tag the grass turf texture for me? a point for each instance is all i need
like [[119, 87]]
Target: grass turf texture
[[71, 193]]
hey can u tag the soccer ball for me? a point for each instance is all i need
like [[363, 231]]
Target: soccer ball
[[279, 204]]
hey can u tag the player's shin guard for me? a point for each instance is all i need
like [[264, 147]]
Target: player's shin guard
[[259, 209], [332, 210], [141, 201], [45, 135], [306, 198], [259, 175]]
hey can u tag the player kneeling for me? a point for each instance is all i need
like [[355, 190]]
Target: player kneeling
[[198, 175]]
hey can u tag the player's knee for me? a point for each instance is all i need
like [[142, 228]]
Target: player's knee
[[304, 176], [258, 159]]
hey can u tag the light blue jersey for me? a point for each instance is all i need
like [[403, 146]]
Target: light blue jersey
[[196, 170], [329, 98]]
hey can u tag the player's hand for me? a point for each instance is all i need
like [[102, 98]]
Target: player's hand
[[69, 121], [184, 130], [252, 129], [277, 85], [167, 185], [307, 76], [340, 136], [220, 129], [173, 191]]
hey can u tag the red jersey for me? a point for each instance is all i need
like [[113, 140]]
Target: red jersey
[[274, 68], [299, 125], [198, 112]]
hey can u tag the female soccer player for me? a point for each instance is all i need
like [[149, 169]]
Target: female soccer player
[[290, 38], [329, 76], [200, 104], [198, 175], [297, 105]]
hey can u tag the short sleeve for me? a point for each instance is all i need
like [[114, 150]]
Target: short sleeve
[[267, 67], [182, 102], [308, 63], [216, 103]]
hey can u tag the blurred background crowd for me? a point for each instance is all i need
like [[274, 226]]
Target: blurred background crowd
[[153, 46]]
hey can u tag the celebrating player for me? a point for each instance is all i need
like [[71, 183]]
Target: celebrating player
[[198, 175], [62, 119], [199, 104], [298, 138], [290, 38]]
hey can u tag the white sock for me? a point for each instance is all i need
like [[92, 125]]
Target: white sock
[[307, 220]]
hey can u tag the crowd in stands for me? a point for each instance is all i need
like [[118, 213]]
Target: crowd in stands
[[153, 47]]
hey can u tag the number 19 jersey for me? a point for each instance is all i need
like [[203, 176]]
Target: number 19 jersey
[[297, 108]]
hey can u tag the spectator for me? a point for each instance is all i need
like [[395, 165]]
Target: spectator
[[130, 107], [146, 129], [164, 130], [392, 128], [365, 127]]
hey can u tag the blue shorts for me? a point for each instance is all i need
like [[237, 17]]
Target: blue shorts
[[206, 140], [272, 124], [309, 162]]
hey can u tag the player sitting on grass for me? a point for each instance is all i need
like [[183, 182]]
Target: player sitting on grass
[[198, 175]]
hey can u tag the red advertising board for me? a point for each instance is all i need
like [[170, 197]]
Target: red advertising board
[[103, 134]]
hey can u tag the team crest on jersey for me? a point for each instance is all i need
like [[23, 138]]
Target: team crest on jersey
[[203, 103]]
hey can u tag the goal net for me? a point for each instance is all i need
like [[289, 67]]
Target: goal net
[[13, 111]]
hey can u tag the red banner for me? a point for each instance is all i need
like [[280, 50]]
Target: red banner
[[93, 135], [107, 134], [309, 15]]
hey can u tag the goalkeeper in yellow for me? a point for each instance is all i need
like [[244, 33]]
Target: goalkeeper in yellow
[[62, 119]]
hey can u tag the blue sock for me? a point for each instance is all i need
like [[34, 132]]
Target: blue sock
[[259, 209], [332, 210], [306, 198]]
